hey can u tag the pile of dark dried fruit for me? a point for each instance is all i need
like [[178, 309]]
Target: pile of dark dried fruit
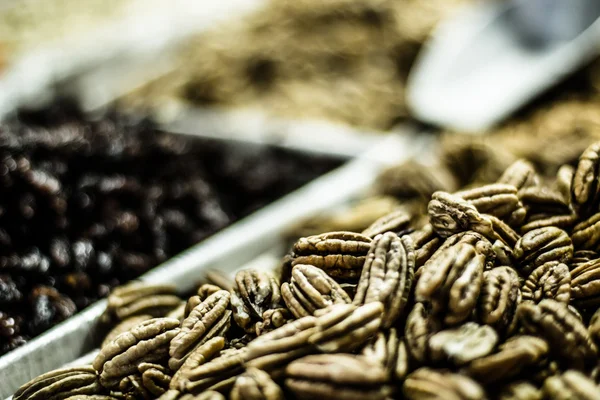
[[494, 295], [87, 206]]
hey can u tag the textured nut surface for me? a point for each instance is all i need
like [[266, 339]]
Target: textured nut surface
[[585, 282], [60, 384], [497, 199], [420, 325], [463, 344], [220, 372], [147, 342], [551, 280], [340, 254], [520, 390], [345, 327], [155, 377], [336, 376], [200, 355], [140, 298], [517, 354], [449, 214], [561, 328], [451, 282], [255, 384], [311, 289], [540, 246], [500, 295], [254, 293], [124, 326], [426, 242], [387, 276], [389, 351], [397, 221], [586, 234], [571, 385], [546, 207], [520, 174], [427, 383], [584, 187], [282, 345], [208, 319]]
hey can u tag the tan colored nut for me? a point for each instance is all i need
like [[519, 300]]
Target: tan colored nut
[[147, 342], [311, 289], [585, 234], [517, 354], [584, 186], [543, 200], [582, 257], [345, 327], [336, 376], [132, 387], [463, 344], [397, 221], [255, 384], [272, 319], [426, 383], [387, 276], [564, 178], [91, 397], [60, 384], [218, 373], [520, 174], [199, 356], [389, 351], [155, 378], [503, 253], [497, 199], [540, 246], [124, 326], [551, 280], [481, 244], [564, 222], [420, 326], [498, 300], [562, 329], [594, 327], [140, 298], [585, 289], [450, 214], [426, 242], [206, 290], [571, 385], [546, 207], [254, 293], [502, 231], [520, 390], [451, 282], [340, 254], [282, 345], [208, 319]]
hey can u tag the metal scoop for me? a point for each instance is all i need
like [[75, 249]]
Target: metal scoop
[[493, 57]]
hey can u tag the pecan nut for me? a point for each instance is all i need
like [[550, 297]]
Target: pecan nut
[[311, 289], [451, 282], [336, 376], [387, 276], [340, 254]]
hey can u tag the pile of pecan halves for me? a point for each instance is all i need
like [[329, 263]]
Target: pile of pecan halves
[[494, 296]]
